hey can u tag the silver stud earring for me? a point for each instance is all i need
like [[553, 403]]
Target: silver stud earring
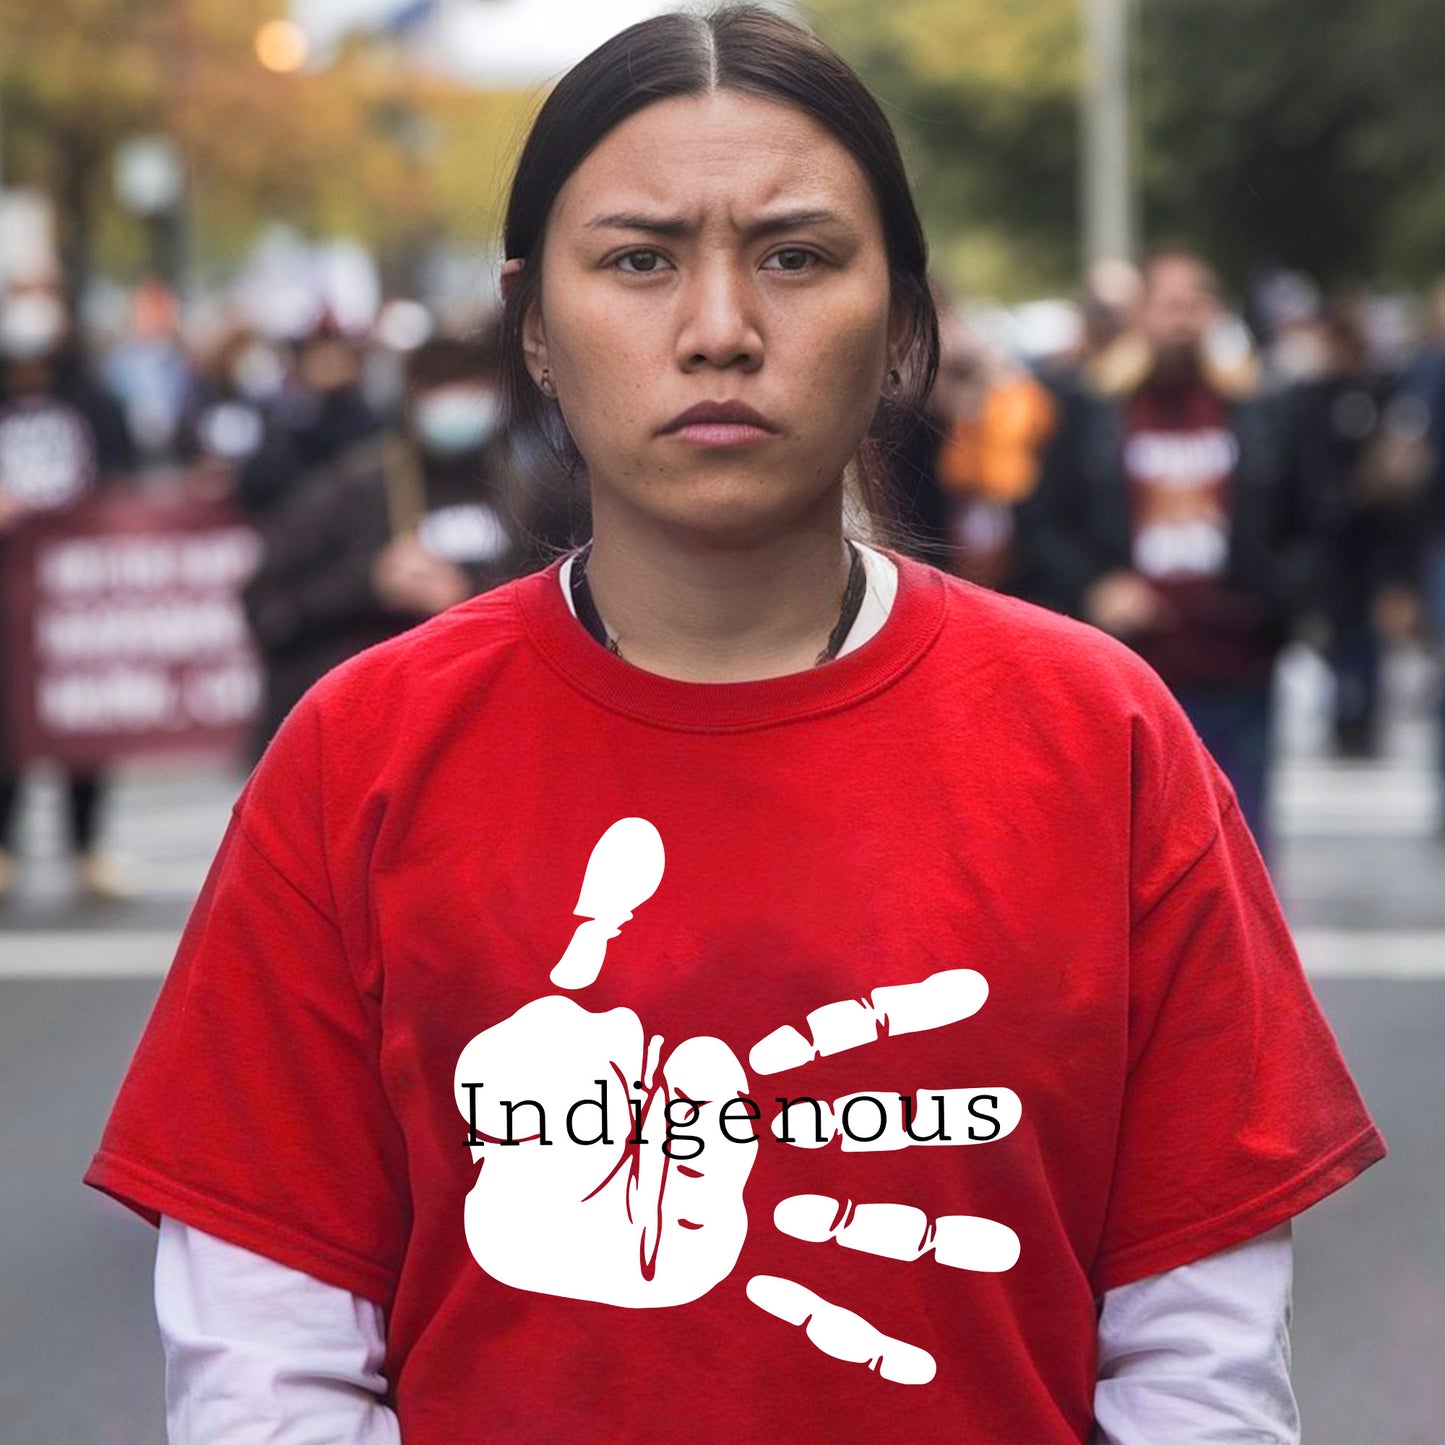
[[546, 383]]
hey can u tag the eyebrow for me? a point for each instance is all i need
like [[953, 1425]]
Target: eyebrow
[[670, 226]]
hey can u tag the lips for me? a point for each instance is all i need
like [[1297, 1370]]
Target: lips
[[724, 413]]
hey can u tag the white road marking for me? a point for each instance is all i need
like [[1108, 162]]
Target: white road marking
[[87, 953], [103, 953], [1328, 799], [1372, 953]]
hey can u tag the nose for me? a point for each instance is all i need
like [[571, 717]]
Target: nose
[[718, 318]]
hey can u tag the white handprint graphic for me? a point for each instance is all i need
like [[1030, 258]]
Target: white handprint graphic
[[582, 1194]]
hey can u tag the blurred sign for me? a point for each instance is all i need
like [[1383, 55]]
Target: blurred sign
[[123, 632]]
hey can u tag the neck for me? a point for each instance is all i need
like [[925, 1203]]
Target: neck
[[697, 609], [1175, 370]]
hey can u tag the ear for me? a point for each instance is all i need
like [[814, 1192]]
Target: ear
[[899, 325], [534, 334]]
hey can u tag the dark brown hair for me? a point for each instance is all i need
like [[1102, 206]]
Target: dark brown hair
[[748, 49]]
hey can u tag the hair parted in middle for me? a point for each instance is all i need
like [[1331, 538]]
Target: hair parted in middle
[[753, 51]]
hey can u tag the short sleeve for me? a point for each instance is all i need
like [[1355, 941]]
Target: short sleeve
[[1238, 1111], [253, 1107]]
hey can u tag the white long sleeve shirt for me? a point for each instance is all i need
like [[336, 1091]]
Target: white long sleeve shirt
[[258, 1353]]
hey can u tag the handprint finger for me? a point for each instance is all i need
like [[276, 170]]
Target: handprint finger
[[900, 1231], [940, 999], [624, 870], [703, 1187], [840, 1333]]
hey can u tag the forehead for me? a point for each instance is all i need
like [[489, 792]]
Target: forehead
[[716, 159]]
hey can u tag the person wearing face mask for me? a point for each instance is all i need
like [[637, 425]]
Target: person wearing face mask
[[396, 530]]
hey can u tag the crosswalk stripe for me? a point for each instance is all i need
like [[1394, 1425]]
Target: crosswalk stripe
[[1372, 953], [87, 953], [147, 953], [1314, 798]]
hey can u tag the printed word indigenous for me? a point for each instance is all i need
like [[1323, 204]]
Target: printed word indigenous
[[863, 1121]]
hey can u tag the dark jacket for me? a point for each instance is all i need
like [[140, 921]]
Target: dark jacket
[[311, 603], [1076, 526]]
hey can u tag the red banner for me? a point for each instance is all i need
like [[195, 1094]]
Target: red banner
[[123, 632]]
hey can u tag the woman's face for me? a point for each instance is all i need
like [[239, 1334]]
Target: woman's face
[[716, 248]]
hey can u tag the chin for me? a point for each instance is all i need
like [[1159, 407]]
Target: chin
[[736, 511], [730, 527]]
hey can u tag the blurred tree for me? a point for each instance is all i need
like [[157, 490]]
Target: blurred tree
[[985, 101], [75, 80], [1268, 130], [1281, 131], [1298, 133], [363, 148]]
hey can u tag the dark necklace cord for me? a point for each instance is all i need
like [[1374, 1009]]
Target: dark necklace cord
[[853, 592]]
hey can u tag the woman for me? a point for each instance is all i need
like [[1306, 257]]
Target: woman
[[554, 943]]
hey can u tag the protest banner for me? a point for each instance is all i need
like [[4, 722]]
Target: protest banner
[[123, 631]]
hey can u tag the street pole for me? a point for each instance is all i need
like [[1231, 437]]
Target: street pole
[[1105, 180]]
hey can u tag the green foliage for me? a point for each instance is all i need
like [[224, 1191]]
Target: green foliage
[[984, 100], [1286, 130], [363, 148], [1292, 131]]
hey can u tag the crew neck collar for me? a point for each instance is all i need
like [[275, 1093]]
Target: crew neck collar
[[912, 623]]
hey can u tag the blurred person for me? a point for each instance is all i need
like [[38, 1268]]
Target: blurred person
[[1286, 310], [402, 324], [1363, 460], [60, 437], [999, 418], [1113, 293], [1105, 314], [318, 411], [149, 371], [229, 431], [1169, 514], [972, 456], [327, 412], [735, 770], [394, 530], [1422, 393]]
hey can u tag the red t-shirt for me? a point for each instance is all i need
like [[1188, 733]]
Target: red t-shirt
[[981, 864]]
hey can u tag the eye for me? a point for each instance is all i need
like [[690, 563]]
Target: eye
[[796, 254], [646, 254]]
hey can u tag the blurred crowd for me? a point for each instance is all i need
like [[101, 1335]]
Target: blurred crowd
[[372, 464], [1208, 484]]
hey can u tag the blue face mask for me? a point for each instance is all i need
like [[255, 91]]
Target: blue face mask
[[453, 420]]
